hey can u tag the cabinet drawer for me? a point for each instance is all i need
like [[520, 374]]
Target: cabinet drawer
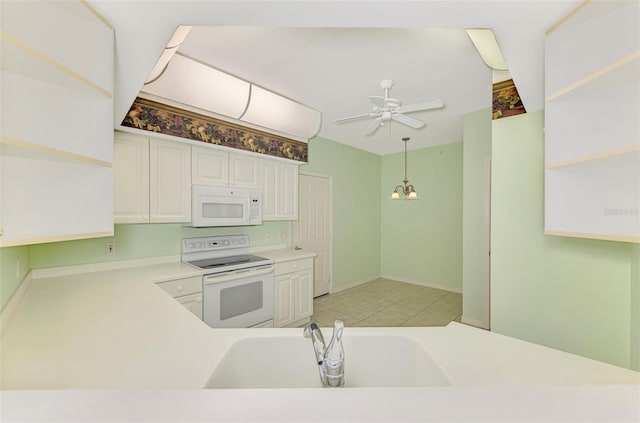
[[180, 287], [293, 266]]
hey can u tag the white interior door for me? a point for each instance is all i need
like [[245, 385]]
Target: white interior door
[[313, 230]]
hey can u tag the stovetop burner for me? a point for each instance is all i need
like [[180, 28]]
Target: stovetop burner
[[227, 261]]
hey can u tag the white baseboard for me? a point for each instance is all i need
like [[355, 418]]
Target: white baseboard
[[474, 322], [99, 267], [423, 283], [9, 310], [335, 289]]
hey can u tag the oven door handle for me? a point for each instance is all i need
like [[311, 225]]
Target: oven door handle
[[237, 274]]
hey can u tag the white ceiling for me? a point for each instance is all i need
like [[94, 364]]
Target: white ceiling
[[332, 55], [335, 70]]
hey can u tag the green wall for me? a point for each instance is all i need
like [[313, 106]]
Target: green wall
[[356, 208], [567, 293], [634, 300], [10, 275], [475, 216], [146, 240], [132, 242], [422, 239]]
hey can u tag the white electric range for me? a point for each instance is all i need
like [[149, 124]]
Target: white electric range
[[237, 287]]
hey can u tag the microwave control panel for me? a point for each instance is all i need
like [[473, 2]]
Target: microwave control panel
[[255, 208]]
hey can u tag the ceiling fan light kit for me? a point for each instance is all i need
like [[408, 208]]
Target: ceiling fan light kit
[[406, 191], [386, 109]]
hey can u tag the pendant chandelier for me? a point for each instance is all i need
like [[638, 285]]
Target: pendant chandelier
[[407, 191]]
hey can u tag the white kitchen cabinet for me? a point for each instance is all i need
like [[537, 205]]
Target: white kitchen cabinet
[[57, 182], [244, 171], [215, 167], [209, 167], [169, 181], [186, 291], [131, 178], [152, 180], [279, 186], [293, 292], [592, 138]]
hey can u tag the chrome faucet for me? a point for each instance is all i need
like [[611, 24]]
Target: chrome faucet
[[330, 358]]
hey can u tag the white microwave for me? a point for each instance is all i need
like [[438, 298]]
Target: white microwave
[[212, 206]]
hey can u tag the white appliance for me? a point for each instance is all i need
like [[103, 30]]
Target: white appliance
[[237, 287], [212, 206]]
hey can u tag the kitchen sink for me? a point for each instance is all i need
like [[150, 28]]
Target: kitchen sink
[[289, 362]]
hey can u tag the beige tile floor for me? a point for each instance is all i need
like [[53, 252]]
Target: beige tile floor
[[386, 303]]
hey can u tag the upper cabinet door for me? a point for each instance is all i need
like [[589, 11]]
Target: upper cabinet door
[[131, 179], [279, 186], [269, 187], [169, 181], [244, 171], [209, 167], [288, 191]]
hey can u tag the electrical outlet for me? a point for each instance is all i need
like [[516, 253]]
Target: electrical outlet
[[18, 268], [110, 248]]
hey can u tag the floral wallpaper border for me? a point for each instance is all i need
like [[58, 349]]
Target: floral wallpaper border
[[156, 117], [506, 100]]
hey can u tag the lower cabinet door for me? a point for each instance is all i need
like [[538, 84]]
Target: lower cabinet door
[[193, 303], [304, 294], [284, 300]]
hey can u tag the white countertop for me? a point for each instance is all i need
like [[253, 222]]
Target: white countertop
[[279, 256], [115, 329]]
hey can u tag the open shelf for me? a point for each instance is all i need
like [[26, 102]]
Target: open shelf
[[597, 156], [623, 70], [603, 237], [16, 148], [20, 58], [597, 35]]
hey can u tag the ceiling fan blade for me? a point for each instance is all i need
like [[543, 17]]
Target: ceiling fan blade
[[373, 127], [427, 105], [409, 121], [351, 118], [378, 102]]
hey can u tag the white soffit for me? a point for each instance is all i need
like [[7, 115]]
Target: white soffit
[[270, 110], [187, 81]]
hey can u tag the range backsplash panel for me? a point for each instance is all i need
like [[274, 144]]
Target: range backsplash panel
[[160, 118]]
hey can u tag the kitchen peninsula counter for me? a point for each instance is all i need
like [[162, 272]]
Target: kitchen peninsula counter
[[116, 330]]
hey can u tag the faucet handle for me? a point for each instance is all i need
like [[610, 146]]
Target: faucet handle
[[308, 329]]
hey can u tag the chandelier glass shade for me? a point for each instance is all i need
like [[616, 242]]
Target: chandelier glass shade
[[405, 191]]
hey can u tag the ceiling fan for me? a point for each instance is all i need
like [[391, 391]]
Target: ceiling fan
[[387, 108]]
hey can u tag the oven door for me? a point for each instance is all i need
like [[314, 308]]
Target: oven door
[[238, 299]]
